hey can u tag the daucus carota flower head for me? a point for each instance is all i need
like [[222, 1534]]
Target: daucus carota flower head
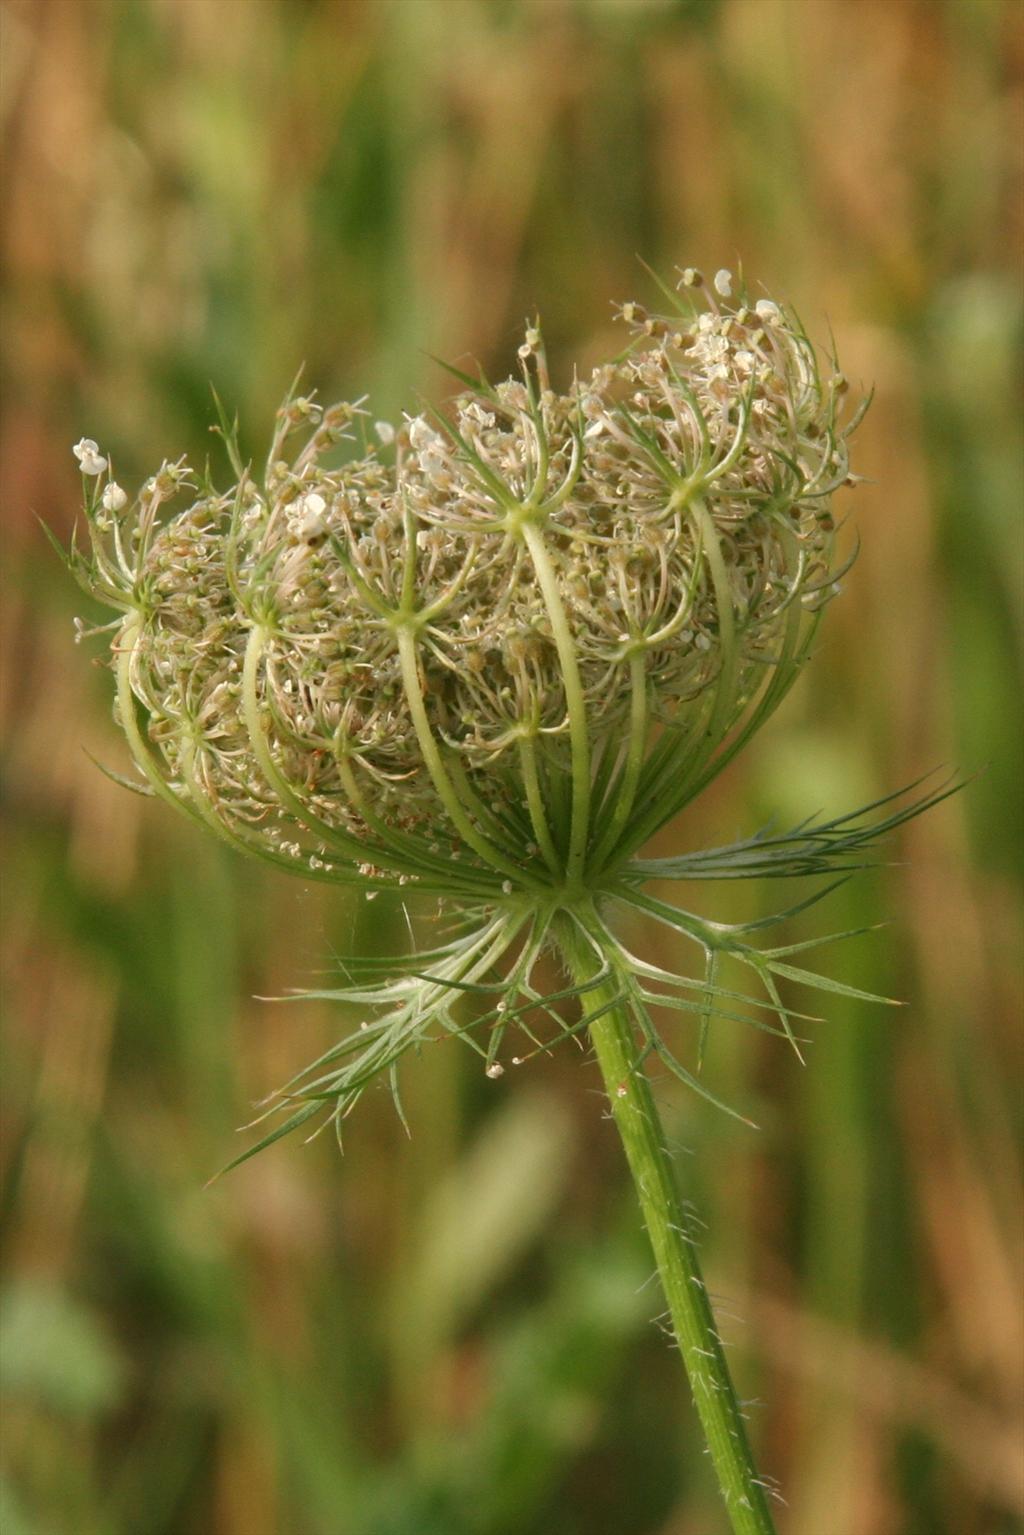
[[488, 653], [492, 632]]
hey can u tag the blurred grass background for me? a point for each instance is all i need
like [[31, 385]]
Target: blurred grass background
[[451, 1335]]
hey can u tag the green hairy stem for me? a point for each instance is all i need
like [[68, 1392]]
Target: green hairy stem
[[673, 1242]]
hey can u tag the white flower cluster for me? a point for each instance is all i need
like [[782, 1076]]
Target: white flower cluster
[[535, 625]]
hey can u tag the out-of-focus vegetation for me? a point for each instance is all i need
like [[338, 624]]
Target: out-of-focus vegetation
[[451, 1334]]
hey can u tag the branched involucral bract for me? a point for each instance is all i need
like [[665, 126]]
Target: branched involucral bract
[[483, 656]]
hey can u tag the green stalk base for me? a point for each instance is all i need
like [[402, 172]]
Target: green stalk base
[[673, 1240]]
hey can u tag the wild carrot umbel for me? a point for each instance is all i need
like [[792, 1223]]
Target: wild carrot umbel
[[484, 657]]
